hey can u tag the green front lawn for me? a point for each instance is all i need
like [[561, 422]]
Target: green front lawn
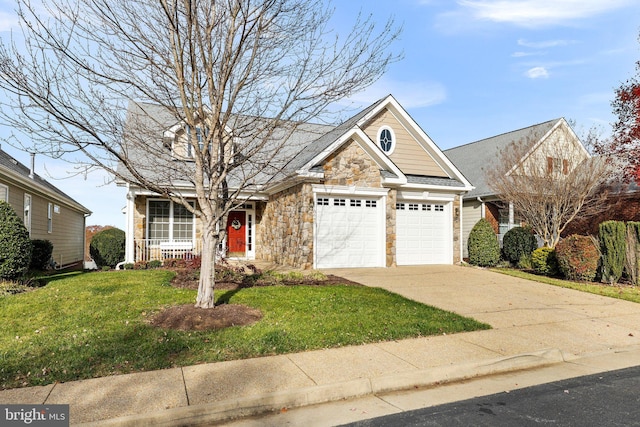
[[95, 324], [625, 292]]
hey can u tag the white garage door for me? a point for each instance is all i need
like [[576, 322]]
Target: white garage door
[[349, 232], [423, 233]]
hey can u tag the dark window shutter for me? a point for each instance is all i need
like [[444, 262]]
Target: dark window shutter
[[565, 166], [549, 165]]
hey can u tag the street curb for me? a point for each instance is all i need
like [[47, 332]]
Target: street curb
[[237, 408]]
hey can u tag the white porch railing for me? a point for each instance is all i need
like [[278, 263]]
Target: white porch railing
[[156, 249]]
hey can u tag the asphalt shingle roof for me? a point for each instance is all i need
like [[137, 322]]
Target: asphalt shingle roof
[[9, 163], [474, 158]]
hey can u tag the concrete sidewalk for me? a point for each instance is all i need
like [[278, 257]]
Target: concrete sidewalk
[[534, 325]]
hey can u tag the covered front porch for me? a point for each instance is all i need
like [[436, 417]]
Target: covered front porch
[[160, 229]]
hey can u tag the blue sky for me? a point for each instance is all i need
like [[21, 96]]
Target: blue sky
[[471, 69]]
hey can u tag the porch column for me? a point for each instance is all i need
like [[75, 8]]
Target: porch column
[[511, 216], [129, 249]]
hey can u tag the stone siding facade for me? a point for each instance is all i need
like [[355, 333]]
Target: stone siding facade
[[285, 231], [351, 166]]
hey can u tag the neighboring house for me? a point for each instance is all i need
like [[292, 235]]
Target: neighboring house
[[47, 212], [374, 191], [475, 158]]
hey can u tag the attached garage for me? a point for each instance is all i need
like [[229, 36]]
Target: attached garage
[[349, 231], [423, 233]]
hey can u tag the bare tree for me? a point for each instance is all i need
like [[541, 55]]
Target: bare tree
[[239, 75], [550, 184]]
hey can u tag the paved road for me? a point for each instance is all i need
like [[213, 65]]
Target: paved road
[[607, 399]]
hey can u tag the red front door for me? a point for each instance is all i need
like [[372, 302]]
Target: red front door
[[236, 233]]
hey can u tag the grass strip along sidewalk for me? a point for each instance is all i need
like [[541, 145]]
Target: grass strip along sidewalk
[[87, 325], [620, 291]]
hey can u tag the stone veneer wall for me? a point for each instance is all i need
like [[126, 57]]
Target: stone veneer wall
[[351, 166], [285, 234], [390, 217], [140, 217]]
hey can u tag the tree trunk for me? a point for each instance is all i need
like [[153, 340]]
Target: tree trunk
[[205, 298]]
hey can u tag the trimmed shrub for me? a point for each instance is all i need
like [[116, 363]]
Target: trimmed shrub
[[41, 255], [632, 259], [141, 265], [544, 261], [107, 247], [483, 246], [517, 243], [15, 245], [155, 263], [578, 258], [613, 248]]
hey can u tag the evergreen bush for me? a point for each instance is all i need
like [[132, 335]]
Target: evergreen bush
[[578, 258], [517, 243], [613, 249], [107, 247], [483, 246], [544, 261], [15, 245], [41, 254]]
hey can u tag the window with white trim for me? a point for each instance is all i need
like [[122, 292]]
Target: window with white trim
[[200, 137], [323, 201], [169, 221], [4, 193], [50, 218], [27, 212], [386, 139]]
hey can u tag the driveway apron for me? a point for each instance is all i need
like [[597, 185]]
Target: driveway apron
[[525, 315]]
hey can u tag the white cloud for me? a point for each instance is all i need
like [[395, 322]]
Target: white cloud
[[537, 13], [525, 54], [537, 73], [410, 94], [545, 44]]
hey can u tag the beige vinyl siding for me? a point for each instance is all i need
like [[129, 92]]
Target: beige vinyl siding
[[408, 155], [67, 234], [471, 214]]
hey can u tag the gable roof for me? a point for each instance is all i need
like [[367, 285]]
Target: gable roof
[[317, 151], [309, 144], [472, 158], [15, 170]]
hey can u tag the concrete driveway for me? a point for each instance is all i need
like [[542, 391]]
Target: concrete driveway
[[526, 316]]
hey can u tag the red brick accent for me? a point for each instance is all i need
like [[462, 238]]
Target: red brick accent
[[621, 208]]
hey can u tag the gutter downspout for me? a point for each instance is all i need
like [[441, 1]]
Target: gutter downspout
[[483, 213], [461, 238], [84, 239]]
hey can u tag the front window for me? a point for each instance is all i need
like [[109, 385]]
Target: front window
[[169, 221]]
